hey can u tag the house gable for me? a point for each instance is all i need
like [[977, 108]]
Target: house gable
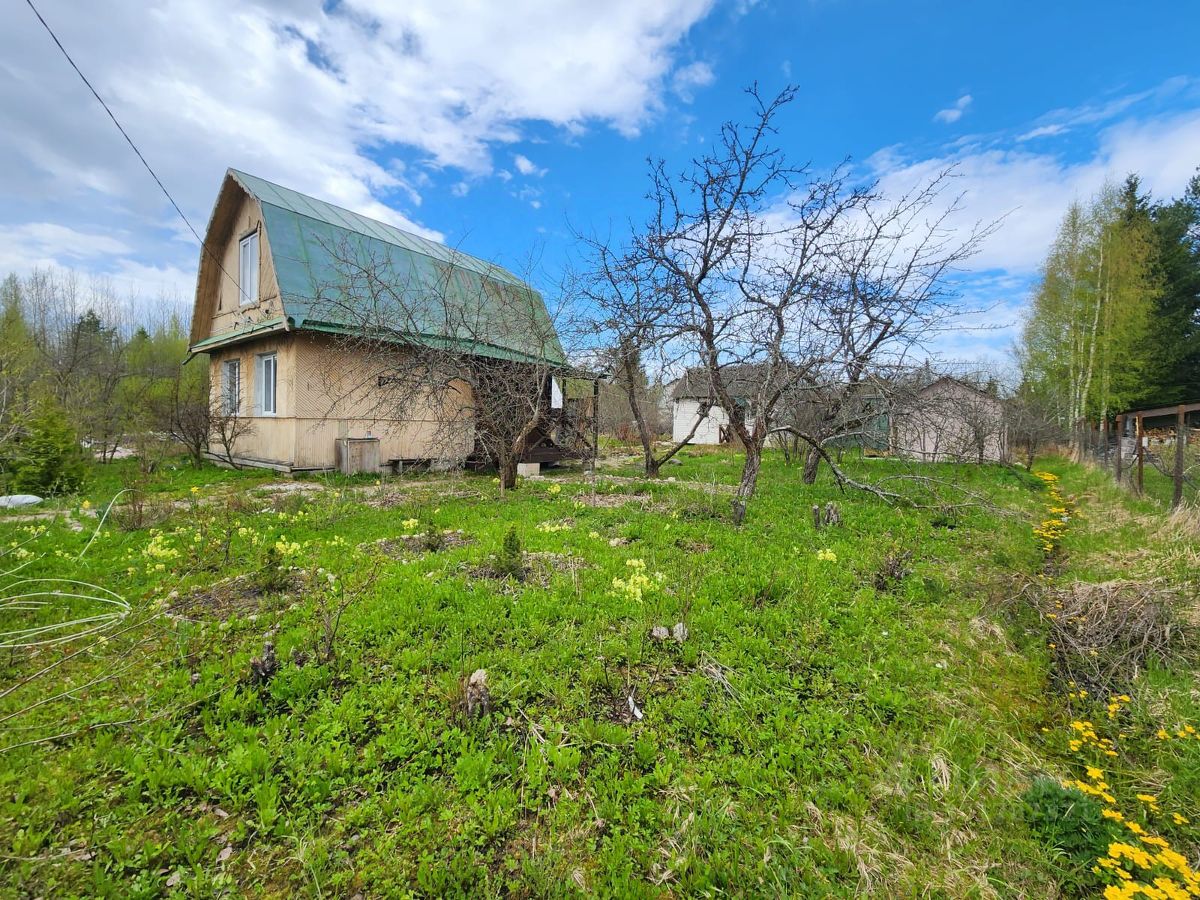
[[218, 311]]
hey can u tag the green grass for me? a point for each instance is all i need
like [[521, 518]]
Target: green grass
[[822, 731]]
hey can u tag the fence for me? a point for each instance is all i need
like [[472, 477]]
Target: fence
[[1155, 451]]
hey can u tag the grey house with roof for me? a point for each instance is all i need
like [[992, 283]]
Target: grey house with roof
[[276, 316]]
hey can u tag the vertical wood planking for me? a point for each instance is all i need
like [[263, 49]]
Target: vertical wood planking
[[1180, 443]]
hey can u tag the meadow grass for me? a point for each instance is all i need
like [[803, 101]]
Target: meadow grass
[[854, 709]]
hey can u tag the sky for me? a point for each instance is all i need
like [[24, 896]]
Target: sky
[[505, 128]]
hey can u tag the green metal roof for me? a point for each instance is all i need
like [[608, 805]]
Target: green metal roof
[[437, 296]]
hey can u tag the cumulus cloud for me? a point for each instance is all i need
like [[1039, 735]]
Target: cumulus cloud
[[291, 90], [952, 114], [688, 78], [1003, 179]]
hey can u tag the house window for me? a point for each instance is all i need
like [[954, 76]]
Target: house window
[[268, 367], [556, 395], [231, 387], [248, 269]]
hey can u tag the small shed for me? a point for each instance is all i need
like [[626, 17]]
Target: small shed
[[950, 419], [692, 402]]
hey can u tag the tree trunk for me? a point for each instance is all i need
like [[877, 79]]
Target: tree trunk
[[508, 473], [812, 462], [749, 479], [652, 465]]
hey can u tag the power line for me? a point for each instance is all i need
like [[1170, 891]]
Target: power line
[[203, 246]]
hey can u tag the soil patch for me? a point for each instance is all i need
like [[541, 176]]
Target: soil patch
[[242, 594], [424, 542]]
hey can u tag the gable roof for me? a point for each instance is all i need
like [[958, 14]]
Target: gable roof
[[741, 381], [436, 295]]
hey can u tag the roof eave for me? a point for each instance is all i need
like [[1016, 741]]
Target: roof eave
[[257, 330]]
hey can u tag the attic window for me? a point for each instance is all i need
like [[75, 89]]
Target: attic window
[[248, 269]]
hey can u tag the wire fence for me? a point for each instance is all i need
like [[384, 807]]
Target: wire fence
[[1163, 463]]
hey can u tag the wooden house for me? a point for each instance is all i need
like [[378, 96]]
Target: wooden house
[[284, 300]]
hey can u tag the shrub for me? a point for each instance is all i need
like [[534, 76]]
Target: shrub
[[49, 459], [1072, 825], [433, 540], [511, 562], [274, 575]]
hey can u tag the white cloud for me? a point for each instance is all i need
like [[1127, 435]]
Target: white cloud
[[291, 90], [46, 243], [1031, 191], [952, 114], [1044, 131], [999, 177], [526, 166], [687, 78]]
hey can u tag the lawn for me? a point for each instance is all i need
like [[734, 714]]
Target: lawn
[[872, 707]]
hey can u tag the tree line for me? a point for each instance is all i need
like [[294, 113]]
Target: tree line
[[80, 378], [1114, 322]]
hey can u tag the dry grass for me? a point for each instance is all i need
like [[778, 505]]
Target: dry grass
[[1102, 635]]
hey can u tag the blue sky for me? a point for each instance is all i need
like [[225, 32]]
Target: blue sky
[[498, 128]]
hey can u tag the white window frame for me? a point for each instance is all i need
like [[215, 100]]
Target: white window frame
[[267, 362], [248, 269], [231, 387], [556, 394]]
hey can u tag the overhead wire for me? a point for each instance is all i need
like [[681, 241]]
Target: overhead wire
[[203, 244]]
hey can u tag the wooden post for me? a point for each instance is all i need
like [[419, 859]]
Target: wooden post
[[1141, 453], [1180, 443], [1120, 439], [595, 424]]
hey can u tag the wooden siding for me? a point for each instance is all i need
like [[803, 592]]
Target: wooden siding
[[325, 391], [218, 308]]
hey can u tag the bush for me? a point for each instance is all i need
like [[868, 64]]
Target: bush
[[511, 561], [49, 459], [1073, 826]]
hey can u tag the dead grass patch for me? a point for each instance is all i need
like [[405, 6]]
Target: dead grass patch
[[1102, 635], [235, 596], [537, 570], [424, 542], [613, 501]]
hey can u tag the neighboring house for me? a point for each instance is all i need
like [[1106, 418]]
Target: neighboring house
[[949, 419], [275, 313], [691, 401]]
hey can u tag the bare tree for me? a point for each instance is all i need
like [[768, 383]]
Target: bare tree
[[1031, 426], [810, 278], [226, 428], [633, 314], [183, 410]]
